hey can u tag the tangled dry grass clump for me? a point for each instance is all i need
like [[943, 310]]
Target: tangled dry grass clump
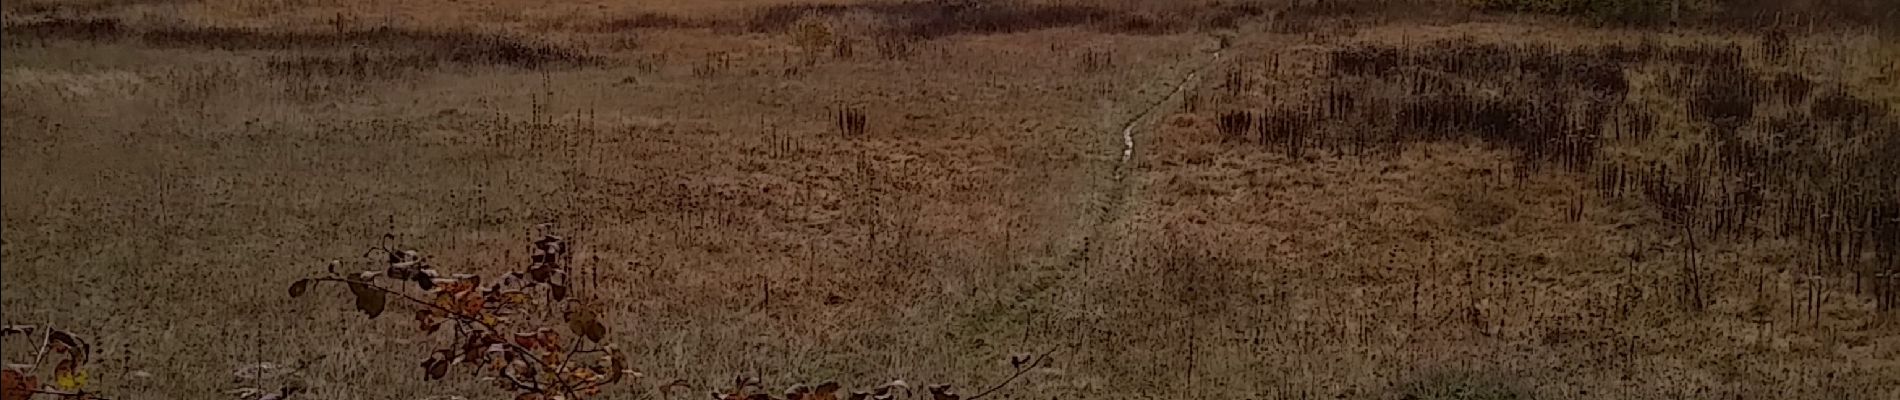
[[1569, 107]]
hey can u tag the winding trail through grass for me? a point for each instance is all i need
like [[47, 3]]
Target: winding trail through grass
[[1128, 129], [1071, 293], [1064, 290], [1116, 191]]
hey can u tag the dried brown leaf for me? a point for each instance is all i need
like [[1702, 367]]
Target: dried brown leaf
[[425, 320], [66, 342], [299, 287], [584, 321], [369, 300], [437, 366], [528, 340], [943, 392]]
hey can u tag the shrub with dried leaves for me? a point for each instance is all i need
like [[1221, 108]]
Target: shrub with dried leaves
[[22, 381], [506, 330]]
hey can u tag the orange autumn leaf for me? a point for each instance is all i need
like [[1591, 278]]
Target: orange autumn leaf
[[527, 340]]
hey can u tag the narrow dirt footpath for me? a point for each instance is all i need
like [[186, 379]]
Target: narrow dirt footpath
[[1116, 192], [1069, 294], [1060, 298]]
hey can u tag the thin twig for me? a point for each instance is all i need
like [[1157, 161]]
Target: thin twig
[[560, 373], [39, 356], [405, 296], [506, 373], [1019, 373], [44, 340]]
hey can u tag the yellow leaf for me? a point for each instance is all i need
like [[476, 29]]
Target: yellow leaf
[[582, 374], [68, 379], [515, 297], [445, 300]]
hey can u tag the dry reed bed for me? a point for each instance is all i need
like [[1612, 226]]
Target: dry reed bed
[[1816, 160], [1557, 216]]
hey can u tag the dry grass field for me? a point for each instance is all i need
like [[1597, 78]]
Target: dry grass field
[[1324, 199]]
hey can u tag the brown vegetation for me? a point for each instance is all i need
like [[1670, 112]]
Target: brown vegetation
[[1346, 199]]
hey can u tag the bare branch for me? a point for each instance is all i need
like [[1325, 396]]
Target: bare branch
[[560, 374], [40, 355], [531, 387], [1019, 373]]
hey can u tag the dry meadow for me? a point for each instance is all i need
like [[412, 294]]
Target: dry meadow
[[1236, 199]]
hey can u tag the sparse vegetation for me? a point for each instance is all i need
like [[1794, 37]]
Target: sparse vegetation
[[1617, 11], [1416, 199], [1461, 386]]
